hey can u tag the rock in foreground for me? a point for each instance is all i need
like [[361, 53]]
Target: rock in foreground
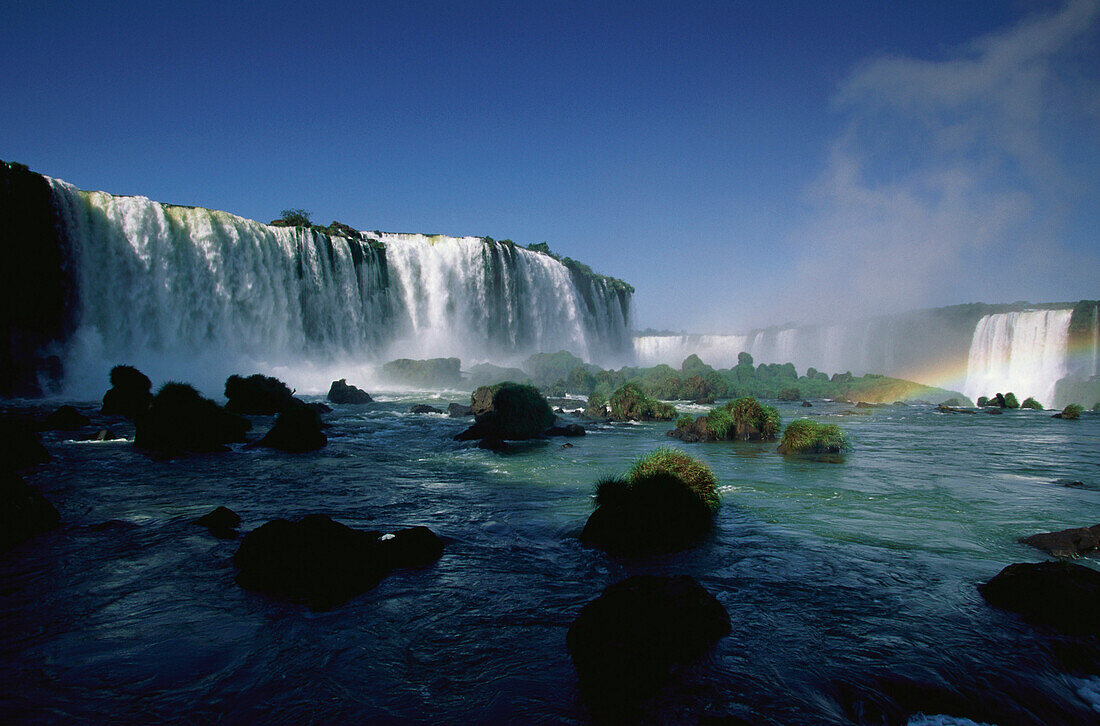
[[24, 512], [625, 642], [324, 563], [1061, 595], [1072, 542]]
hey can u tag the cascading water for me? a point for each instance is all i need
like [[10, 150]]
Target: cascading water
[[197, 294], [1021, 352]]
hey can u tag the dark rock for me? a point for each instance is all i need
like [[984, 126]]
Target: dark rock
[[129, 394], [704, 401], [221, 522], [103, 435], [341, 392], [479, 430], [625, 642], [807, 404], [67, 418], [424, 408], [257, 395], [865, 404], [508, 411], [324, 563], [458, 410], [492, 443], [1060, 595], [297, 429], [181, 421], [19, 446], [1070, 483], [952, 409], [567, 446], [1067, 542], [994, 411], [24, 512], [567, 430], [320, 407], [481, 400]]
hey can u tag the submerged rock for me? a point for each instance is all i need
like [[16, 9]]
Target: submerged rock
[[625, 642], [1060, 595], [67, 418], [341, 392], [24, 512], [297, 429], [221, 522], [129, 394], [567, 430], [943, 408], [257, 395], [1067, 542], [424, 408], [324, 563]]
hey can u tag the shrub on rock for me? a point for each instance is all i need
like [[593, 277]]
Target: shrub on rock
[[790, 394], [508, 411], [341, 392], [24, 512], [810, 437], [1031, 403], [129, 394], [1071, 412], [179, 421], [1010, 400], [257, 395], [666, 502], [1061, 595], [753, 421], [324, 563], [625, 642], [297, 429], [983, 401], [629, 403], [597, 407]]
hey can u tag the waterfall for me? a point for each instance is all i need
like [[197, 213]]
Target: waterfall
[[1021, 352], [197, 294]]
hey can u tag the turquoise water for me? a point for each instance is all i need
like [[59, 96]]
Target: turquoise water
[[850, 585]]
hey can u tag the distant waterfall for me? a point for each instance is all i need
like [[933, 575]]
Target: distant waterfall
[[1021, 352], [197, 294]]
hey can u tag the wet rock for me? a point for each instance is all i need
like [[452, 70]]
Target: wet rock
[[625, 642], [1061, 595], [458, 410], [257, 395], [341, 392], [180, 421], [324, 563], [425, 408], [297, 429], [129, 394], [103, 435], [807, 404], [508, 411], [1070, 483], [953, 409], [24, 512], [492, 443], [19, 446], [67, 418], [567, 430], [221, 522], [320, 407], [1072, 542], [994, 411]]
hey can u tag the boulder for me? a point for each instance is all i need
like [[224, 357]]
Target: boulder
[[221, 522], [952, 409], [129, 394], [257, 395], [103, 435], [24, 512], [1067, 542], [625, 642], [509, 412], [459, 410], [341, 392], [19, 446], [807, 404], [67, 418], [424, 408], [324, 563], [1061, 595], [567, 430], [297, 429], [180, 421]]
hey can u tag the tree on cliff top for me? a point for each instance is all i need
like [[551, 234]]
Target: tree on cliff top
[[296, 217]]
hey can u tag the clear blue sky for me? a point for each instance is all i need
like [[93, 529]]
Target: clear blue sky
[[740, 163]]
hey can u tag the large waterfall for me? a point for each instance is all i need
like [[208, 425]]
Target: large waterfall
[[1021, 352], [196, 294]]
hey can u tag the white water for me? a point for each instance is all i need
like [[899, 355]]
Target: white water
[[1021, 352], [197, 294]]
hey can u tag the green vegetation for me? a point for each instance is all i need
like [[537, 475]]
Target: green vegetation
[[789, 394], [1072, 412], [1010, 400], [430, 373], [754, 420], [954, 402], [294, 218], [720, 423], [629, 403], [804, 436], [983, 401], [597, 406], [686, 421], [1030, 402], [671, 462], [521, 411]]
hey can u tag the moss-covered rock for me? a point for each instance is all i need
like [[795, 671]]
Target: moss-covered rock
[[596, 407], [1031, 403], [508, 412], [257, 395], [1011, 401], [179, 421], [1071, 412], [804, 436]]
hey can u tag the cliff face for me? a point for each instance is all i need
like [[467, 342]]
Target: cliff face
[[101, 279], [36, 286]]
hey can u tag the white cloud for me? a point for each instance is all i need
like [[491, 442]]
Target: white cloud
[[950, 174]]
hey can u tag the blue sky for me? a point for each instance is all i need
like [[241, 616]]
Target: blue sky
[[741, 163]]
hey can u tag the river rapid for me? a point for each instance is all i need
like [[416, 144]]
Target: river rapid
[[851, 585]]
